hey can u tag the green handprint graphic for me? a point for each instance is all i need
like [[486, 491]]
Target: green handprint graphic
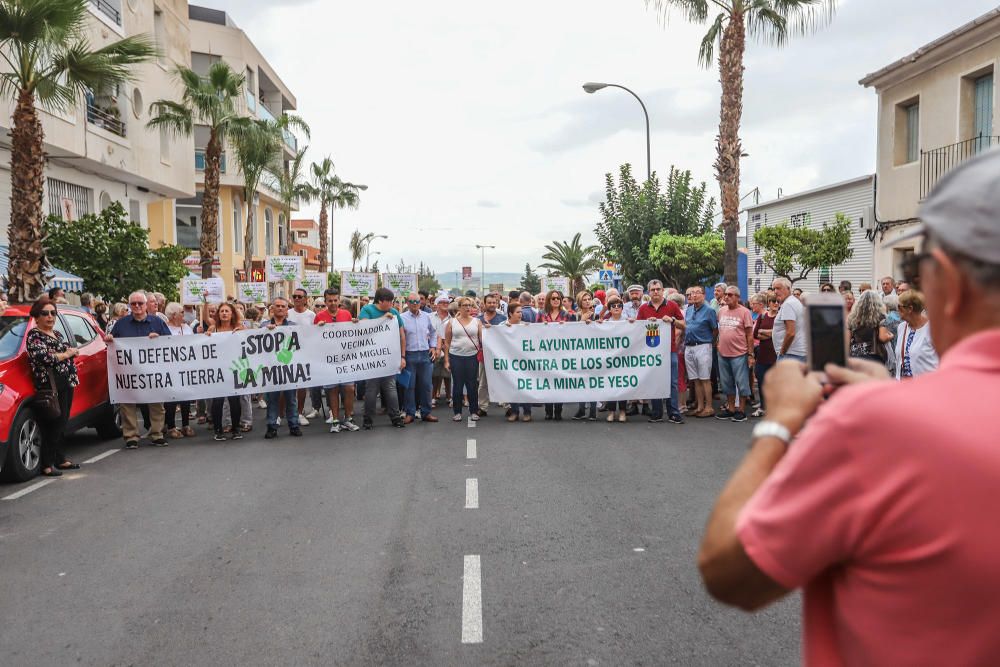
[[285, 353], [243, 371]]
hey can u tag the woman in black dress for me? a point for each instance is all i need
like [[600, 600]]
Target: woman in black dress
[[47, 351]]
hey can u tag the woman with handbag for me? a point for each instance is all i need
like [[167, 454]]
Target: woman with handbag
[[463, 350], [866, 322], [54, 376]]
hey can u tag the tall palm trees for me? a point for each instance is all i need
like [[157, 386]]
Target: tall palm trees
[[47, 60], [292, 187], [331, 192], [764, 20], [345, 195], [572, 260], [357, 246], [211, 101]]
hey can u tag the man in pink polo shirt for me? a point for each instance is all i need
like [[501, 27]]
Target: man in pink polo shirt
[[885, 513]]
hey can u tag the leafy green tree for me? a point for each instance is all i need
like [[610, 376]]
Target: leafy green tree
[[793, 251], [531, 281], [572, 260], [48, 62], [766, 21], [687, 260], [333, 278], [632, 215], [113, 256]]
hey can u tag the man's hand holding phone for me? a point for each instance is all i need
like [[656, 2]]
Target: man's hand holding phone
[[793, 394]]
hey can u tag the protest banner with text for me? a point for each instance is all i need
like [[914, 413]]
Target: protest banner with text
[[257, 361], [561, 363]]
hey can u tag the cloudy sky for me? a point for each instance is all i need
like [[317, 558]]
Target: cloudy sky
[[469, 125]]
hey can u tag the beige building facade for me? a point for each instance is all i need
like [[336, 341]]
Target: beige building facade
[[100, 151], [214, 37], [936, 109]]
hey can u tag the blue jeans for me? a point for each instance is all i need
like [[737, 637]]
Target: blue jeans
[[673, 408], [760, 370], [291, 408], [521, 408], [734, 375], [418, 394], [793, 357], [464, 379]]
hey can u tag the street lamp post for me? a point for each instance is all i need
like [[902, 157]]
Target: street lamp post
[[593, 87], [369, 237], [482, 275], [332, 270]]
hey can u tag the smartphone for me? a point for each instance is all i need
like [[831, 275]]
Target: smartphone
[[827, 320]]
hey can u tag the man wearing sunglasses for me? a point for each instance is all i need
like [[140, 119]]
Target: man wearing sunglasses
[[881, 510], [301, 314], [138, 324]]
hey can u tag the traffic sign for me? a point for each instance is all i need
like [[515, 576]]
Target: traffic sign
[[606, 276]]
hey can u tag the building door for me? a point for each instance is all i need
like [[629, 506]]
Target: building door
[[983, 122]]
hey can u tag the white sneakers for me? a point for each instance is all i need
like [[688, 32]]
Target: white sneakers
[[311, 414], [457, 418], [303, 421], [330, 419]]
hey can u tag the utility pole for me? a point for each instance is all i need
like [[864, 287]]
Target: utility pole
[[482, 275]]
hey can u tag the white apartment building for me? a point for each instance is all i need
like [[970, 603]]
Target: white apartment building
[[101, 151], [936, 108], [814, 208]]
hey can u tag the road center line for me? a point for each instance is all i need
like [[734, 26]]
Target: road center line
[[472, 494], [470, 449], [100, 457], [27, 490], [472, 424], [472, 602]]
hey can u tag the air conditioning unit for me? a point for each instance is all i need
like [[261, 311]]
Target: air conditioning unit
[[868, 219]]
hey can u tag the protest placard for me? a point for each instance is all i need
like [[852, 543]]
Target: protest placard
[[252, 292], [354, 283], [401, 284], [282, 268], [199, 291], [556, 283], [577, 362], [313, 283]]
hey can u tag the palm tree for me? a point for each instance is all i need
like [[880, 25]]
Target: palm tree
[[357, 245], [331, 192], [256, 150], [345, 195], [292, 187], [572, 260], [48, 61], [764, 20], [209, 100]]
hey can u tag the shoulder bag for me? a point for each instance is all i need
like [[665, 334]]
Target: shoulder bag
[[46, 401]]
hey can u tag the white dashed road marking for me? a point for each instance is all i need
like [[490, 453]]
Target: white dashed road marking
[[34, 487], [100, 457], [472, 424], [472, 602], [470, 449], [472, 494]]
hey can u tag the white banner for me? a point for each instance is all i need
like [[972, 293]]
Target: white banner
[[557, 283], [281, 268], [257, 361], [401, 284], [353, 283], [561, 363], [198, 291], [252, 293], [313, 283]]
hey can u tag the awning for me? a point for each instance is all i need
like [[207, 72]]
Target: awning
[[60, 278]]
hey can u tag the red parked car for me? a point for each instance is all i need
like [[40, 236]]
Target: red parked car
[[20, 437]]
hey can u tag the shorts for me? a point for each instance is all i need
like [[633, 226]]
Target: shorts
[[341, 387], [439, 370], [734, 375], [698, 361]]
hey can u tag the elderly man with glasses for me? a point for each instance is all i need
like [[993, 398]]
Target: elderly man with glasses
[[421, 353], [661, 308], [138, 324]]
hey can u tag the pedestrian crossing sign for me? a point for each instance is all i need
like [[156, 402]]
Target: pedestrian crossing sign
[[606, 276]]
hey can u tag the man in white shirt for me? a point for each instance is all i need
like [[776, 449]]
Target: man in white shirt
[[789, 333], [440, 319], [301, 314], [631, 309]]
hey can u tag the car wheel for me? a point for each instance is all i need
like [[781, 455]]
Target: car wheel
[[110, 425], [25, 451]]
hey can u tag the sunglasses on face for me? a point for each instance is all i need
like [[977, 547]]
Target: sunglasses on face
[[48, 313], [137, 303], [413, 302], [616, 306], [910, 268], [298, 296]]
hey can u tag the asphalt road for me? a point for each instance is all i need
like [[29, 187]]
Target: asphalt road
[[359, 549]]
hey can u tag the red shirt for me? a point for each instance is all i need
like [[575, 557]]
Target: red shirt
[[667, 309], [324, 317]]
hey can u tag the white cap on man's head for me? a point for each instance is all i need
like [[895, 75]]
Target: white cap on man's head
[[963, 210], [634, 287]]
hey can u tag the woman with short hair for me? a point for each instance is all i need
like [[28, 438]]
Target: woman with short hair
[[616, 309], [915, 354], [522, 410], [866, 323], [178, 327], [52, 367], [463, 342]]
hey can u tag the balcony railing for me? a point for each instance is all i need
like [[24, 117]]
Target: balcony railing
[[937, 162], [264, 112], [199, 161], [104, 119], [109, 9], [291, 140]]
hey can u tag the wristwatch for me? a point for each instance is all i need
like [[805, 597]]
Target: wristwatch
[[771, 429]]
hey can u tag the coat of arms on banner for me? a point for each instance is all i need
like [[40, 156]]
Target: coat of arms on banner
[[652, 334]]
